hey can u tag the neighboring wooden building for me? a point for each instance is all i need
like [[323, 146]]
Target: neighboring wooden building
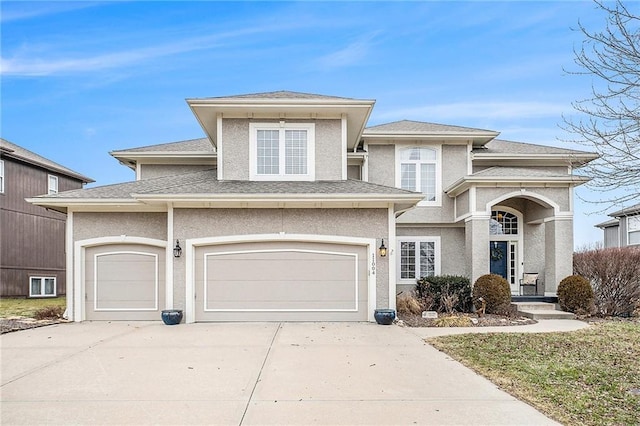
[[624, 229], [32, 239]]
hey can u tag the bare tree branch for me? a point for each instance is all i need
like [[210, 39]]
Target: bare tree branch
[[608, 121]]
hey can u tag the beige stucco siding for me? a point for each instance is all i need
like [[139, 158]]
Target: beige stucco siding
[[560, 196], [96, 225], [236, 146], [454, 163], [382, 164], [363, 223], [149, 171], [462, 204], [235, 149], [353, 172], [329, 150]]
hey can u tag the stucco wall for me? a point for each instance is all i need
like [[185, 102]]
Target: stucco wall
[[561, 196], [149, 171], [452, 251], [235, 148], [454, 163], [198, 223], [462, 203], [382, 164], [353, 172], [534, 251], [95, 225]]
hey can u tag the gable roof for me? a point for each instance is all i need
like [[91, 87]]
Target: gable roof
[[281, 94], [199, 151], [9, 149], [190, 145], [282, 105], [408, 129]]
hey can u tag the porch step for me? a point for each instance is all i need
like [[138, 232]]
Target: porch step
[[541, 310]]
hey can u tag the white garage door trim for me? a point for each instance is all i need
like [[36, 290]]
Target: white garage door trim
[[192, 243], [96, 297], [355, 283], [78, 290]]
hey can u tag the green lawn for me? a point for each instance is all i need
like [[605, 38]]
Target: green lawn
[[27, 307], [583, 377]]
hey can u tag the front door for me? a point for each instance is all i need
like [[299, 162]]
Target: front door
[[498, 257]]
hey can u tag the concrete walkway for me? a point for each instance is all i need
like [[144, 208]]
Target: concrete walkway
[[244, 374]]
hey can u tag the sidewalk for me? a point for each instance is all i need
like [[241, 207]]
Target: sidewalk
[[543, 326]]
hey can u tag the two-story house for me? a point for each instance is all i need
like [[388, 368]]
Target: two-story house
[[291, 209], [32, 239], [624, 229]]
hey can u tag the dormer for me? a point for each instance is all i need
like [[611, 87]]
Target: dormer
[[282, 136]]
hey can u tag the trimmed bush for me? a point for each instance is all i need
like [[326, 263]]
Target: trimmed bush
[[496, 293], [576, 295], [449, 293], [614, 274]]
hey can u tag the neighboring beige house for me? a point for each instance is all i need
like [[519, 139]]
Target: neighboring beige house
[[281, 211], [624, 229]]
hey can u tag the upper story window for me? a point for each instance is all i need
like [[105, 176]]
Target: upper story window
[[503, 223], [53, 185], [633, 228], [1, 176], [418, 170], [282, 151]]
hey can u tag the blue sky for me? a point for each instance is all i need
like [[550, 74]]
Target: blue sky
[[80, 79]]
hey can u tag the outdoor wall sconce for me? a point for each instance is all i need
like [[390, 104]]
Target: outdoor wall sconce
[[382, 249], [177, 250]]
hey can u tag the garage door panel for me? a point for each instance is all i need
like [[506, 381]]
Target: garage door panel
[[124, 282], [288, 281]]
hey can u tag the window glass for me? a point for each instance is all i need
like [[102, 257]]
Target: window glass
[[407, 259], [49, 286], [418, 171], [633, 227], [503, 223], [296, 152], [1, 176], [36, 286], [268, 152], [418, 259], [53, 184]]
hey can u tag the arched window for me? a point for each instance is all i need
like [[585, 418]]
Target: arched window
[[418, 171], [503, 223]]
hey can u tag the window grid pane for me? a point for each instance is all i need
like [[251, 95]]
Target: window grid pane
[[268, 152], [49, 287], [407, 259], [408, 177], [36, 285], [295, 152], [428, 181], [427, 259]]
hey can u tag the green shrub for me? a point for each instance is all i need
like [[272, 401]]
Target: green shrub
[[576, 295], [449, 292], [496, 293], [49, 312]]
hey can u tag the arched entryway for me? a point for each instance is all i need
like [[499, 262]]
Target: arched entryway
[[505, 245]]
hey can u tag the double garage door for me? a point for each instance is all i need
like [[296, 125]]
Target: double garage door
[[281, 281], [264, 281]]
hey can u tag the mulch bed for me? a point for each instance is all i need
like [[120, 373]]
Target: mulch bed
[[487, 320], [7, 325]]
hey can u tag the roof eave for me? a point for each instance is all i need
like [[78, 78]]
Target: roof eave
[[478, 138], [466, 182]]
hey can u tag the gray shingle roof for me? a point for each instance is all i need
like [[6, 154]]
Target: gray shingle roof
[[281, 94], [525, 172], [13, 150], [420, 127], [499, 146], [608, 223], [626, 211], [204, 182], [191, 145]]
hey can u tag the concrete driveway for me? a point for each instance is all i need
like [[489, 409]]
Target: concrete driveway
[[242, 374]]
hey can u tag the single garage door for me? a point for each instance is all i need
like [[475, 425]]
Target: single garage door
[[124, 282], [281, 281]]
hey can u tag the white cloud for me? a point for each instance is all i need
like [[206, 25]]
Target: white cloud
[[349, 55]]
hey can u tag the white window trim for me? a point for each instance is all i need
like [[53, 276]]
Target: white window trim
[[400, 240], [1, 176], [630, 231], [438, 149], [42, 287], [50, 189], [253, 151]]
